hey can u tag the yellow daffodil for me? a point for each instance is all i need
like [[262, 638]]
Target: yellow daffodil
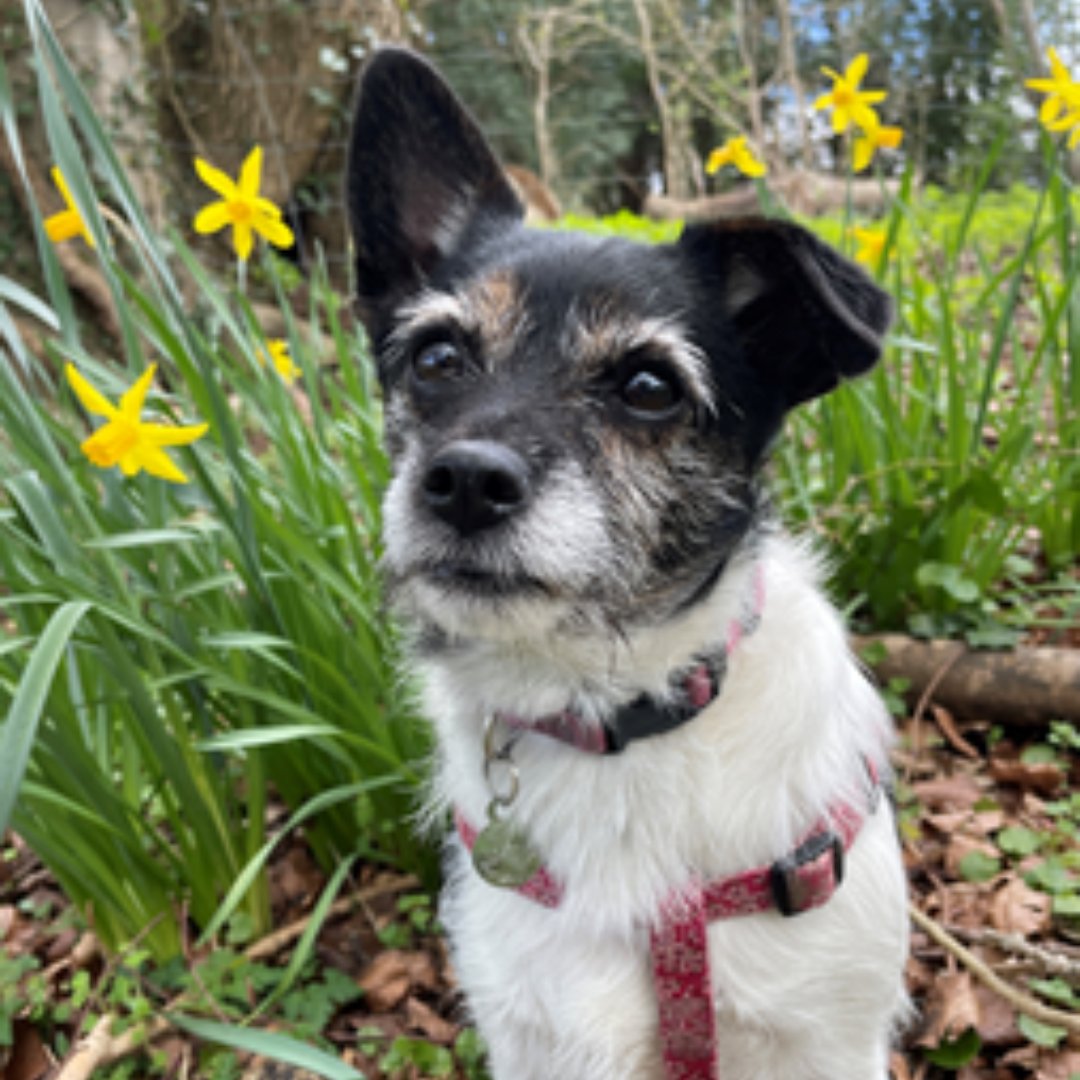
[[735, 152], [68, 223], [880, 137], [1069, 122], [125, 440], [1061, 90], [870, 246], [241, 206], [849, 104], [278, 351]]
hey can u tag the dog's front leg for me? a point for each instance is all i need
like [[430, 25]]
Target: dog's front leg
[[549, 999]]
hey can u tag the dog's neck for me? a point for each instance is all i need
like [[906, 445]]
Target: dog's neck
[[688, 691], [595, 675]]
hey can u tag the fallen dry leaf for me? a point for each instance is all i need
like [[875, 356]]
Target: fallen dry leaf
[[951, 1009], [944, 793], [1042, 776], [1018, 909], [424, 1019], [997, 1019], [1063, 1065], [390, 977]]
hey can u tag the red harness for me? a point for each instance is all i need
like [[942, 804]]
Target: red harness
[[804, 879]]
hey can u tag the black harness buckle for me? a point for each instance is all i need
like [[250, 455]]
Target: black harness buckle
[[809, 876]]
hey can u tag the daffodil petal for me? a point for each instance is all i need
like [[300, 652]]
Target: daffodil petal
[[170, 435], [243, 241], [251, 174], [131, 404], [863, 154], [866, 118], [890, 137], [157, 463], [212, 217], [717, 160], [131, 464], [62, 187], [215, 179], [266, 208], [856, 70], [93, 401], [1057, 68], [276, 232], [65, 225]]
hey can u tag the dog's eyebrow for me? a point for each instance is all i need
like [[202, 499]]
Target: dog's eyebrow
[[599, 336], [427, 311], [490, 307]]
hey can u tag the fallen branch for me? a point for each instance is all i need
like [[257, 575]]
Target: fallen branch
[[1020, 686], [1021, 1001]]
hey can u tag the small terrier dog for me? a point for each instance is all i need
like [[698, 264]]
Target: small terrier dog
[[671, 858]]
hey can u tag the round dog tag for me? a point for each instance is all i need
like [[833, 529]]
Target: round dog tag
[[503, 855]]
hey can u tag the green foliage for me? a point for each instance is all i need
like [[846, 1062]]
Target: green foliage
[[174, 652], [929, 478], [956, 1053], [406, 1054], [625, 224], [978, 866]]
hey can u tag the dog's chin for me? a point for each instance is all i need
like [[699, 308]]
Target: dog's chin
[[465, 601]]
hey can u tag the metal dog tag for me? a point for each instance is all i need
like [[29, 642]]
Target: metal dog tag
[[502, 853]]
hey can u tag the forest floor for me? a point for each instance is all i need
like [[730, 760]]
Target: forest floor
[[989, 818]]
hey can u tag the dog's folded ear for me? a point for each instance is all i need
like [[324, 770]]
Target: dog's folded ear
[[420, 176], [805, 316]]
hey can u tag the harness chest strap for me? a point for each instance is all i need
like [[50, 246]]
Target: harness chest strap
[[678, 942]]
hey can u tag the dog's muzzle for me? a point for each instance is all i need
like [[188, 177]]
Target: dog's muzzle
[[476, 484]]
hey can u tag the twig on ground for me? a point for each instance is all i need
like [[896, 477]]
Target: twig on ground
[[1020, 1000], [1042, 960], [277, 940]]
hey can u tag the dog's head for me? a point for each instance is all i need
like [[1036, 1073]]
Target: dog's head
[[575, 423]]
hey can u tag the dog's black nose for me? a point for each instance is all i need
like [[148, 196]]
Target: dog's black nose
[[474, 484]]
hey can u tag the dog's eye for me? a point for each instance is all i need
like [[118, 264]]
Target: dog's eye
[[651, 393], [438, 361]]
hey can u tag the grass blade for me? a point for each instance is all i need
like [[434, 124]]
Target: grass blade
[[20, 726]]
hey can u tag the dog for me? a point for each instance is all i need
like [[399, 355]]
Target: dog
[[671, 857]]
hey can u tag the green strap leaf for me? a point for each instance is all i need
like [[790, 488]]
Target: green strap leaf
[[20, 726], [268, 1044]]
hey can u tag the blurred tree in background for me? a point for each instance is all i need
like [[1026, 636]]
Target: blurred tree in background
[[605, 101]]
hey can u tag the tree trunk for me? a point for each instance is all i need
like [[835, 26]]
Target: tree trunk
[[790, 70], [675, 179]]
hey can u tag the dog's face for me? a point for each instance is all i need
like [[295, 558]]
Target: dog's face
[[575, 423]]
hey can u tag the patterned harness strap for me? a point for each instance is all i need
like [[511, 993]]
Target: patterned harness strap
[[678, 942]]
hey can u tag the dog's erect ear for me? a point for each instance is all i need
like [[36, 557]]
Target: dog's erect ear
[[420, 176], [806, 317]]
